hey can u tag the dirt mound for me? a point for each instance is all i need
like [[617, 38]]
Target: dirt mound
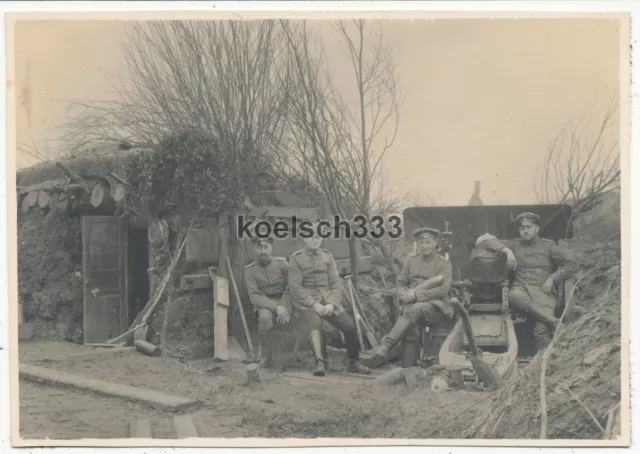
[[49, 280], [583, 381], [189, 326]]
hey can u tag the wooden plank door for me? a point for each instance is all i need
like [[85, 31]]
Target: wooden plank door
[[104, 244]]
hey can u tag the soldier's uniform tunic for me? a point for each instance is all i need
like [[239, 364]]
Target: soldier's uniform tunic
[[417, 269], [535, 263], [314, 278], [267, 288], [430, 306]]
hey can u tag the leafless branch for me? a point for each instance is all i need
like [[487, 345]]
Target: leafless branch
[[336, 149], [218, 77]]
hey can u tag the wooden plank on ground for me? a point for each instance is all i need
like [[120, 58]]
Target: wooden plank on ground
[[90, 351], [149, 397], [140, 428], [333, 378], [307, 379], [371, 376], [185, 427]]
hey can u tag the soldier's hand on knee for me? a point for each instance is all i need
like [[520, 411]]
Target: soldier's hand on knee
[[283, 314], [319, 308], [328, 309], [407, 297]]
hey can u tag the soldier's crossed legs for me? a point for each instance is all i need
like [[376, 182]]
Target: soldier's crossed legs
[[544, 317], [424, 312]]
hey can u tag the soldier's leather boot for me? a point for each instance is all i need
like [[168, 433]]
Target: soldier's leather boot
[[357, 368], [549, 321], [327, 364], [266, 351], [396, 334], [410, 353], [410, 348], [315, 342]]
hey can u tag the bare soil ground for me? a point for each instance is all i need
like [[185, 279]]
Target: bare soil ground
[[583, 373], [280, 406]]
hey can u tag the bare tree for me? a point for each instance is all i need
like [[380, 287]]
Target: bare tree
[[218, 77], [378, 101], [578, 169], [336, 148], [34, 151]]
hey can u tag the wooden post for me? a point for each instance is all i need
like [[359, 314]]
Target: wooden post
[[353, 259], [220, 315], [253, 373]]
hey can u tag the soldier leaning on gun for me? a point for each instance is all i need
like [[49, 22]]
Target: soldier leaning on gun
[[266, 280], [533, 260], [316, 289], [426, 276]]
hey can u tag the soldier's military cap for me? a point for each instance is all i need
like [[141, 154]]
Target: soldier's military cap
[[419, 233], [531, 217], [258, 241]]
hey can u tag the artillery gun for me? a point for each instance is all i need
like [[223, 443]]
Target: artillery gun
[[481, 284]]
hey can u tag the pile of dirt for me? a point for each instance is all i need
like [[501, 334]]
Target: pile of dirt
[[49, 274], [583, 380], [189, 326]]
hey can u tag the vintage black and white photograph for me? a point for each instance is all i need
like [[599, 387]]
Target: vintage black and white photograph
[[360, 227]]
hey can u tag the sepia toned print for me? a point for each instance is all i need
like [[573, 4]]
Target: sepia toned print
[[161, 167]]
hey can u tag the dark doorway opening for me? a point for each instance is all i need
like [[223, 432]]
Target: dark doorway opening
[[138, 276]]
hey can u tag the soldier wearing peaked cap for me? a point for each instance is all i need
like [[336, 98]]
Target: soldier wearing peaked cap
[[423, 287], [316, 289], [539, 264], [266, 280], [527, 218], [424, 231]]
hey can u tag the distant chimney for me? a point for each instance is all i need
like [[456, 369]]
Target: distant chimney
[[475, 198]]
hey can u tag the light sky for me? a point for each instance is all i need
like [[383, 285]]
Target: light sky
[[483, 98]]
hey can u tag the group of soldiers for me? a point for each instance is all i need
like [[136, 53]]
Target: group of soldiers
[[307, 289]]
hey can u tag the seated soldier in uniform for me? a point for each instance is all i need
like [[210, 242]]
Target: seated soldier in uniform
[[420, 303], [533, 260], [266, 280], [316, 290]]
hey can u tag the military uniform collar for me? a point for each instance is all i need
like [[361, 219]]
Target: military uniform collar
[[265, 264], [312, 252], [428, 258], [533, 242]]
